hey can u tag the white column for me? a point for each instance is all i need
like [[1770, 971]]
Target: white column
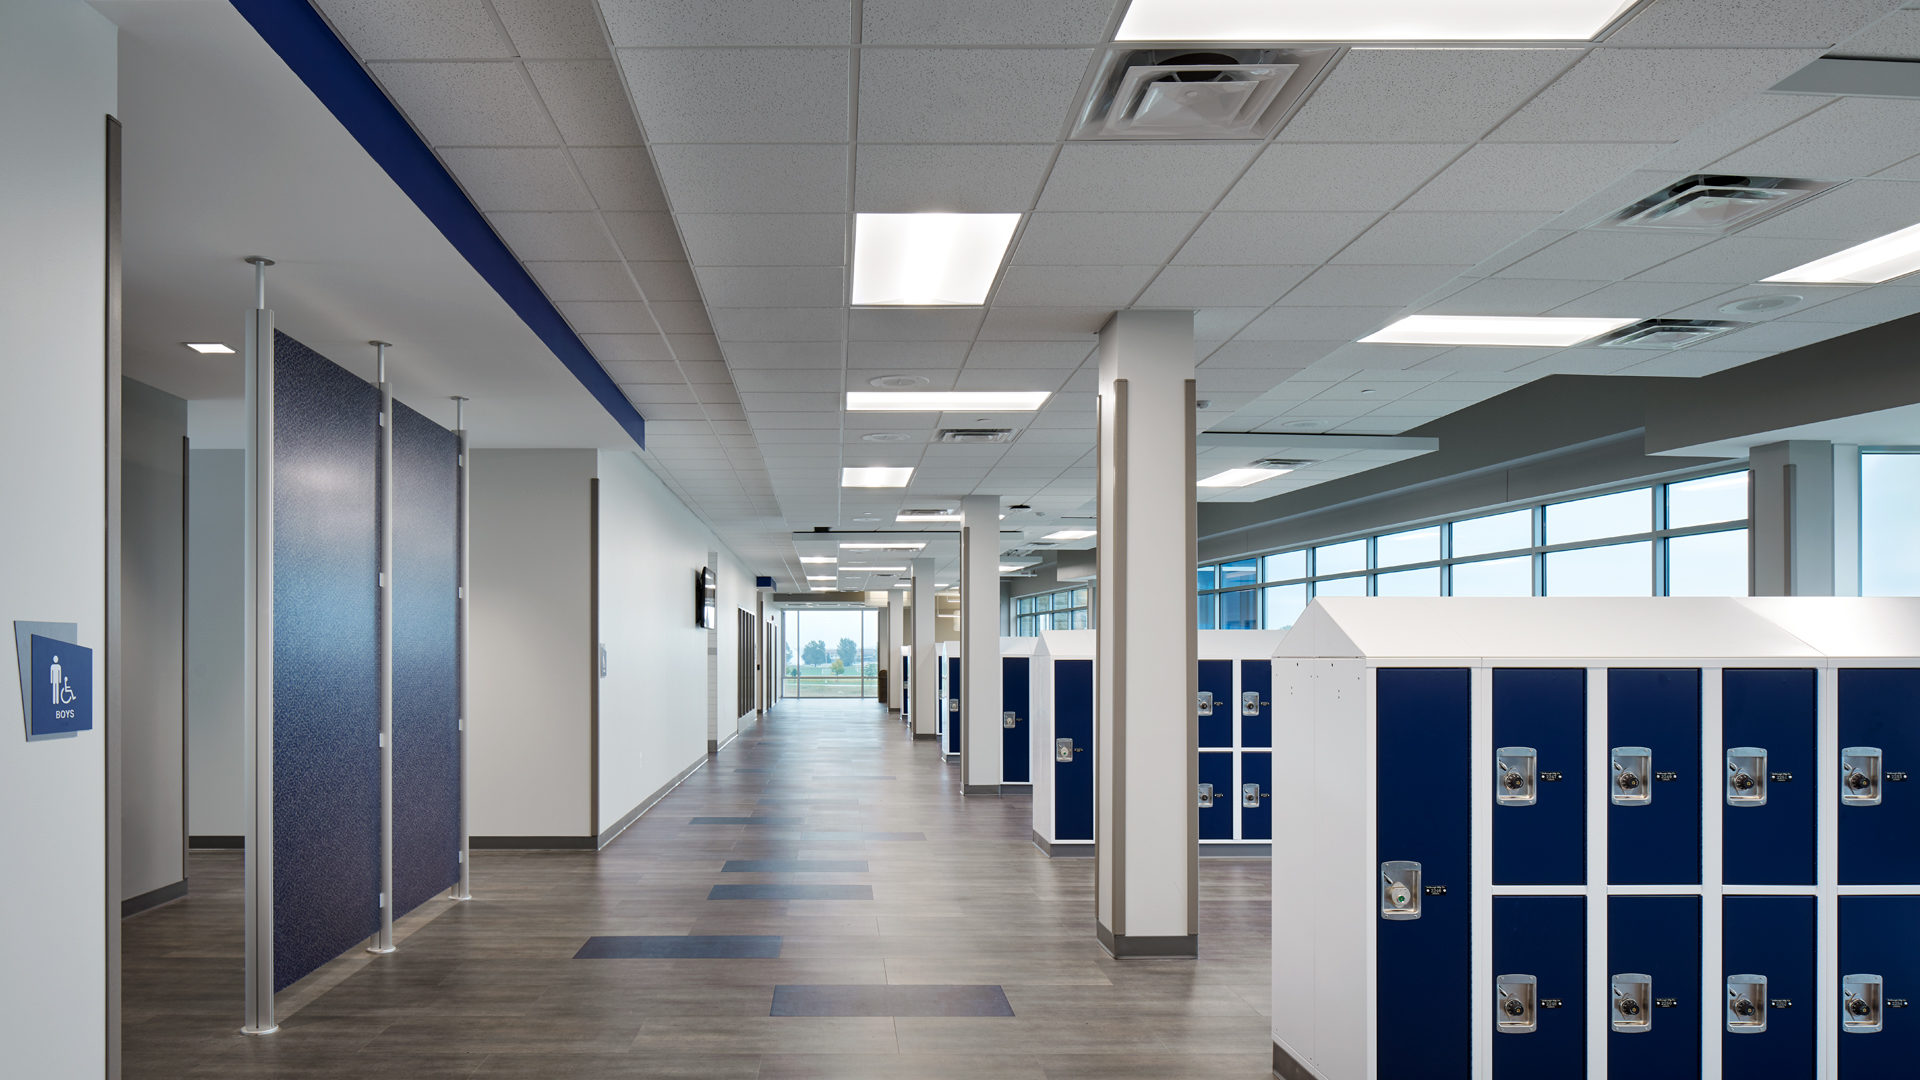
[[896, 637], [1146, 819], [1805, 519], [980, 700], [926, 657], [257, 665]]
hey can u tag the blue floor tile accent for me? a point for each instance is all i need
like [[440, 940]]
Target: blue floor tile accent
[[791, 892], [681, 947], [795, 866], [824, 776], [885, 1000], [856, 834], [744, 821]]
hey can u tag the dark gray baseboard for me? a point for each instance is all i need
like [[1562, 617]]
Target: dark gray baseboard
[[1288, 1067], [531, 843], [930, 735], [1066, 849], [1252, 849], [217, 843], [1131, 947], [147, 901], [980, 789]]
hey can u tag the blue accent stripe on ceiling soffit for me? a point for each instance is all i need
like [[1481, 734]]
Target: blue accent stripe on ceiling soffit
[[308, 45]]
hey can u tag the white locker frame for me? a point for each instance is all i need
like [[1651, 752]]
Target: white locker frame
[[1328, 863], [1054, 645], [1237, 646], [1026, 648]]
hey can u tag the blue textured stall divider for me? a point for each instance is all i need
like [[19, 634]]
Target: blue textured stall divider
[[326, 705], [426, 683]]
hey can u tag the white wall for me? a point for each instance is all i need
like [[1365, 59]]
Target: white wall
[[152, 604], [653, 701], [531, 656], [57, 84], [216, 536]]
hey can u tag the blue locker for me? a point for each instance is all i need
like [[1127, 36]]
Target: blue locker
[[1015, 750], [1073, 720], [1659, 937], [953, 705], [1653, 819], [1544, 937], [1768, 835], [1540, 813], [1877, 713], [1216, 726], [1880, 935], [1216, 821], [1424, 965], [1256, 822], [1256, 677], [1771, 936], [906, 691]]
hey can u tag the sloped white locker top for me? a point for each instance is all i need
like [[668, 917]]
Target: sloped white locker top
[[1239, 644], [1842, 627], [1631, 628], [1019, 646], [1067, 644]]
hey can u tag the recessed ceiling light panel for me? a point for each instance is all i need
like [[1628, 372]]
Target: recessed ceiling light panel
[[928, 260], [883, 547], [1884, 258], [875, 476], [1239, 478], [1377, 20], [974, 401], [208, 348], [819, 559], [1497, 330], [1070, 534]]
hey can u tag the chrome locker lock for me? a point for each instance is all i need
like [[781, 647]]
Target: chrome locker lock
[[1632, 1009], [1862, 1004], [1860, 776], [1008, 719], [1518, 776], [953, 704], [1206, 796], [1206, 703], [1250, 703], [1250, 796], [1632, 775], [1063, 751], [1747, 776], [1400, 890], [1517, 1002], [1746, 1004]]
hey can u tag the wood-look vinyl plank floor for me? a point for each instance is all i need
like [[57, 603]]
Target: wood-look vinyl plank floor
[[489, 989]]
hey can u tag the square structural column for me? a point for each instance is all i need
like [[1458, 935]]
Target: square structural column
[[1804, 539], [980, 700], [896, 637], [924, 684], [1146, 818]]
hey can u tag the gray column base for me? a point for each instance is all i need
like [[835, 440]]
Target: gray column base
[[1288, 1067], [147, 901], [1064, 849], [980, 789], [1249, 849], [1130, 947], [931, 735]]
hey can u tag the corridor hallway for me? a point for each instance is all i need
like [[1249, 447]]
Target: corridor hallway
[[926, 888]]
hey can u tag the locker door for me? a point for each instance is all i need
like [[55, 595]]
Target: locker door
[[1768, 826], [1216, 820], [1658, 937], [1877, 712], [1424, 966], [906, 690], [1256, 767], [953, 705], [1544, 937], [1653, 820], [1770, 936], [1880, 935], [1073, 720], [1540, 814], [1014, 698], [1256, 677], [1216, 725]]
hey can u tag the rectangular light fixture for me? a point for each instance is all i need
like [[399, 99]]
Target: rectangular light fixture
[[825, 588], [1376, 20], [206, 348], [1883, 258], [1011, 569], [873, 569], [1238, 478], [908, 519], [822, 577], [928, 260], [1069, 534], [934, 401], [819, 559], [875, 476], [883, 547], [1525, 331]]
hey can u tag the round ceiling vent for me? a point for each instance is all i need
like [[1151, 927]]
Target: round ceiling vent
[[898, 382], [1754, 304], [886, 436]]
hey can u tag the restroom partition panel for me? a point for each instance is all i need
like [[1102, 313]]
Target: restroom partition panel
[[1879, 805], [1073, 749], [426, 685], [326, 664], [1766, 794], [1015, 701]]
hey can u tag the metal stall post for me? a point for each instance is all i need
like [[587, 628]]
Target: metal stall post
[[462, 890], [257, 664], [384, 942]]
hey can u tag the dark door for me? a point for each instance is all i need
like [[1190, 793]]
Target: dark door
[[1768, 841], [1653, 820], [1073, 738], [1015, 746], [1540, 829]]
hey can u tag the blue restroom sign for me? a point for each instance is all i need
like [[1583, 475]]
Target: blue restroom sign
[[60, 685]]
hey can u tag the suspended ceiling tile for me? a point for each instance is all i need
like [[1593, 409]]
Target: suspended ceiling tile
[[780, 324], [1338, 176], [1583, 362], [776, 355], [739, 95], [968, 95], [962, 179], [755, 179], [645, 237], [636, 23], [793, 403], [1354, 356], [1527, 176], [1606, 255], [1848, 214], [651, 372], [1142, 176], [916, 355], [1358, 286], [584, 280], [499, 179], [1687, 364], [1438, 239], [774, 286], [1729, 23], [986, 22], [765, 239], [1639, 299], [620, 178], [1044, 324], [573, 236], [1854, 136], [681, 321], [1423, 95], [1274, 354], [695, 349], [1220, 324], [1048, 354], [1271, 239], [1510, 296], [591, 317], [553, 29], [645, 394], [913, 324], [468, 104], [665, 281], [1757, 117], [418, 29], [1318, 323], [1488, 360], [1072, 286], [1896, 37], [587, 101], [1867, 307], [1738, 259], [1647, 95], [973, 378], [1233, 286], [1102, 239]]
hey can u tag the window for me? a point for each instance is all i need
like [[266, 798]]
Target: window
[[1890, 524], [831, 652], [1687, 537], [1062, 609]]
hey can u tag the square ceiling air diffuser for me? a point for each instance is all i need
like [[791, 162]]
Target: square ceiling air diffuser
[[1717, 204]]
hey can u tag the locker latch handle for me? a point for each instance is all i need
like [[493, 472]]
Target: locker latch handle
[[1400, 892], [1008, 719]]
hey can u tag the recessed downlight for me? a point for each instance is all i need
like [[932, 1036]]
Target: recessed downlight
[[887, 436], [898, 382], [1754, 305]]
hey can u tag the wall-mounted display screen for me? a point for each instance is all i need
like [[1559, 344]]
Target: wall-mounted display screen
[[704, 584]]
